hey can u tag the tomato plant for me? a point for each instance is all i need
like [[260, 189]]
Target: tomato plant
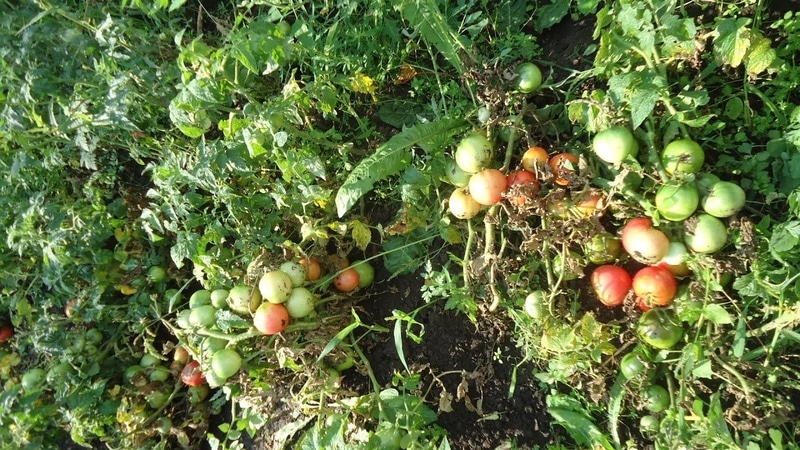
[[659, 328], [529, 77], [462, 205], [534, 159], [474, 153], [613, 145], [705, 233], [563, 166], [611, 284], [682, 156], [487, 186], [191, 375], [271, 318], [655, 285], [677, 201]]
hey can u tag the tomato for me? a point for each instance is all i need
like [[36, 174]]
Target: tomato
[[336, 263], [296, 272], [157, 399], [226, 362], [462, 205], [182, 319], [659, 328], [675, 259], [149, 360], [527, 186], [487, 186], [275, 286], [656, 398], [271, 318], [649, 424], [645, 244], [642, 304], [534, 158], [614, 144], [347, 281], [172, 296], [602, 248], [157, 274], [238, 299], [529, 77], [724, 199], [219, 298], [559, 207], [300, 303], [94, 336], [200, 297], [683, 156], [159, 373], [705, 234], [474, 153], [313, 268], [455, 175], [366, 273], [676, 202], [704, 181], [631, 365], [203, 316], [563, 166], [197, 394], [655, 285], [6, 333], [572, 264], [210, 345], [611, 284], [590, 203], [33, 379], [536, 304], [181, 354]]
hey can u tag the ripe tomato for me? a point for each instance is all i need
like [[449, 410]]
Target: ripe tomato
[[191, 374], [611, 284], [271, 318], [682, 156], [705, 233], [563, 166], [534, 159], [655, 285], [645, 244], [6, 333], [313, 268], [462, 205], [614, 144], [474, 152], [487, 186], [529, 77], [527, 186], [347, 281], [659, 328]]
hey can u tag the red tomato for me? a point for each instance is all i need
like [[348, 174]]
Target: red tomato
[[6, 333], [563, 166], [642, 305], [534, 158], [655, 285], [271, 318], [347, 281], [191, 374], [611, 284], [486, 187], [527, 185]]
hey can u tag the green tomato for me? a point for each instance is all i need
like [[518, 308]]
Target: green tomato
[[529, 77], [603, 248], [94, 336], [649, 424], [296, 272], [149, 360], [211, 345], [683, 156], [300, 303], [33, 379], [156, 274], [631, 365], [614, 144], [203, 316], [366, 273], [536, 304], [275, 286], [226, 362], [182, 319], [159, 373], [656, 398], [455, 175], [659, 328], [218, 298], [197, 393], [172, 296], [474, 153], [572, 266], [239, 298], [677, 202], [705, 234], [724, 199]]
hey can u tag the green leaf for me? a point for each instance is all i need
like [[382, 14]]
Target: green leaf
[[425, 16], [717, 314], [393, 157], [643, 101], [551, 14]]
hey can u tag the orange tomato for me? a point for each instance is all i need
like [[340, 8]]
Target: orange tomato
[[563, 166], [527, 185], [486, 187], [589, 203], [534, 158], [347, 281], [313, 268]]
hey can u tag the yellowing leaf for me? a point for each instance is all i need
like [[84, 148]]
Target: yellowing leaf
[[363, 84], [125, 289], [361, 234], [760, 55], [407, 73]]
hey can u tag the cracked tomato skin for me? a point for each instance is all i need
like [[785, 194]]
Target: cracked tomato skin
[[659, 328]]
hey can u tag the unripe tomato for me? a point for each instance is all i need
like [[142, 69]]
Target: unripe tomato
[[473, 153], [534, 159], [535, 304], [462, 205], [487, 186], [676, 202], [705, 233], [602, 248], [238, 299], [200, 297], [226, 362], [275, 286], [563, 166], [529, 77], [656, 398], [675, 259], [296, 272], [157, 274], [590, 203], [659, 328], [455, 175], [347, 281], [631, 365], [611, 284], [366, 273], [683, 156], [655, 285], [271, 318], [724, 199], [301, 303], [614, 144]]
